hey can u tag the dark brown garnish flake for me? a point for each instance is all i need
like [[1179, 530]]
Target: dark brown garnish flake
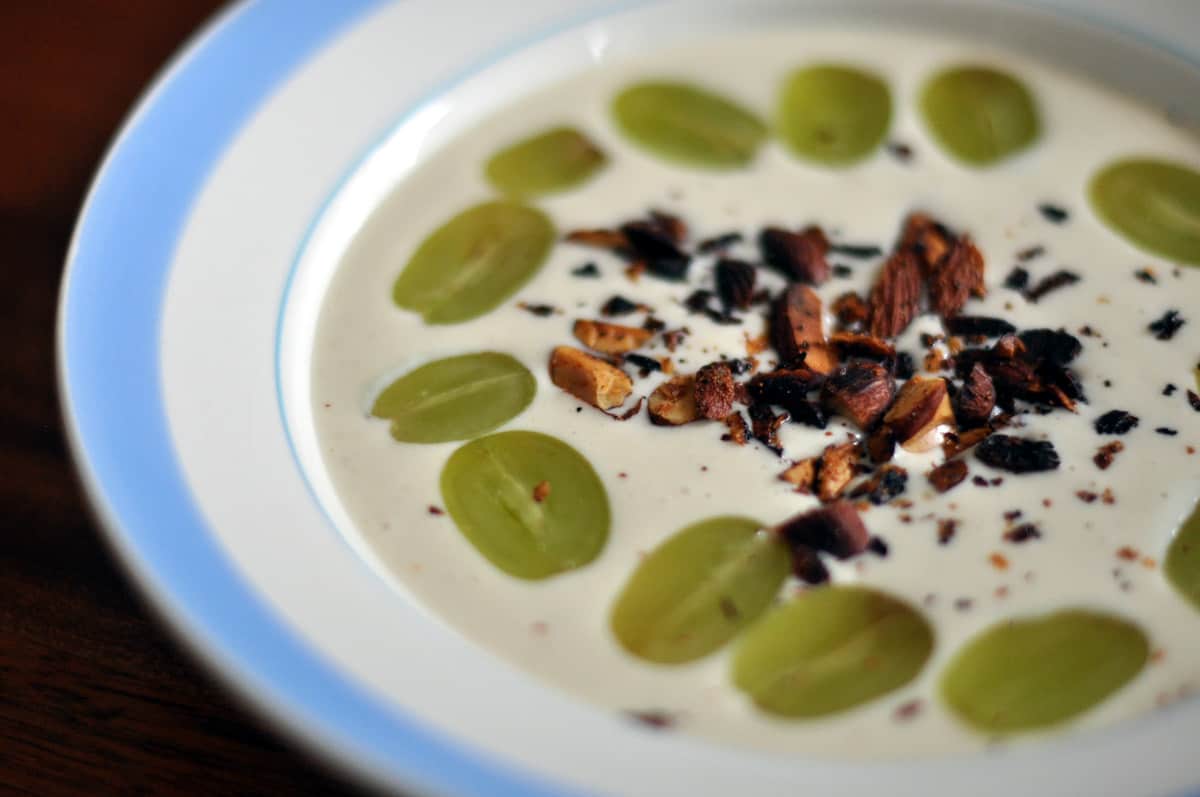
[[858, 251], [1056, 345], [619, 305], [976, 399], [1115, 422], [599, 238], [850, 309], [1146, 275], [1025, 255], [658, 720], [1017, 279], [718, 243], [1193, 400], [878, 546], [895, 297], [586, 270], [1023, 533], [539, 310], [1017, 454], [1167, 431], [715, 391], [1059, 279], [735, 283], [1107, 453], [905, 367], [881, 444], [835, 528], [1166, 326], [655, 243], [798, 256], [645, 365], [947, 528], [948, 475], [1053, 213], [764, 425], [860, 391], [884, 485], [1169, 389], [978, 325]]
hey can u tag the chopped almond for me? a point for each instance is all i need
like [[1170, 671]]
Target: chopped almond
[[1008, 347], [715, 391], [976, 399], [860, 391], [837, 470], [850, 309], [673, 403], [853, 344], [895, 297], [802, 475], [610, 338], [947, 475], [739, 431], [881, 444], [835, 529], [955, 443], [955, 278], [796, 330], [589, 378], [927, 239], [798, 256], [601, 239], [921, 409]]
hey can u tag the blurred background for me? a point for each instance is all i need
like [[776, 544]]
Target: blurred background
[[95, 697]]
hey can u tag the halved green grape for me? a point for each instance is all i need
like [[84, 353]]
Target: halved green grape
[[474, 262], [1153, 203], [834, 115], [698, 589], [1182, 566], [830, 650], [1026, 674], [552, 161], [688, 124], [528, 502], [456, 398], [979, 114]]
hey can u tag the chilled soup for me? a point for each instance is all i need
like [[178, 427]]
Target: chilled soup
[[592, 386]]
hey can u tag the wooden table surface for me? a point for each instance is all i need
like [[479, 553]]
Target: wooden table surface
[[95, 696]]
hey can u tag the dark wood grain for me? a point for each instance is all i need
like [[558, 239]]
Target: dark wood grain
[[95, 698]]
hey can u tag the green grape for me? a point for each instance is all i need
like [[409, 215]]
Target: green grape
[[689, 125], [1182, 566], [474, 262], [1031, 673], [698, 589], [1153, 203], [530, 503], [833, 115], [830, 650], [979, 114], [456, 398], [552, 161]]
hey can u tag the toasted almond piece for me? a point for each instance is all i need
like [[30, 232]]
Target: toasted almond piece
[[715, 391], [764, 425], [926, 238], [850, 309], [957, 442], [860, 391], [837, 470], [895, 298], [798, 256], [802, 475], [976, 398], [948, 475], [589, 378], [610, 338], [836, 529], [921, 408], [599, 238], [673, 403], [796, 329], [881, 444], [855, 344], [955, 278], [1008, 347], [739, 430]]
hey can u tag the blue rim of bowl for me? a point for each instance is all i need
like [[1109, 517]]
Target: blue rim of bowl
[[109, 324], [110, 383]]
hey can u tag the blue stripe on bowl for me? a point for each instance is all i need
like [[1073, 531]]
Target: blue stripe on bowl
[[111, 385]]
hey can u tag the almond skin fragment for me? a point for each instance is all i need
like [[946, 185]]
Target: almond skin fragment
[[957, 442], [958, 276], [796, 329], [837, 470], [948, 475], [835, 528], [860, 391], [673, 403], [881, 444], [798, 256], [739, 430], [715, 391], [977, 398], [802, 475], [854, 344], [895, 298], [922, 406], [849, 309], [599, 238], [610, 338]]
